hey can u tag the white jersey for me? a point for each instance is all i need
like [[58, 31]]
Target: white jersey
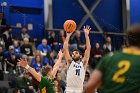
[[75, 76]]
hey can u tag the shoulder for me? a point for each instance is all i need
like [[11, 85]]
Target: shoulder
[[48, 46], [111, 56], [34, 64], [70, 62], [4, 32], [46, 59], [6, 53], [39, 46]]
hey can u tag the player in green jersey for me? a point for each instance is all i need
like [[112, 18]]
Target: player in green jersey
[[118, 72], [48, 73]]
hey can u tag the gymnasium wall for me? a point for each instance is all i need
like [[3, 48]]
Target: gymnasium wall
[[134, 11], [108, 14], [25, 12]]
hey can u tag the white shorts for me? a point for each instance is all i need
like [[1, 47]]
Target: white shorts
[[73, 90]]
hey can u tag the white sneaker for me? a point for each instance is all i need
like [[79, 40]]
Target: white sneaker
[[14, 71], [6, 72]]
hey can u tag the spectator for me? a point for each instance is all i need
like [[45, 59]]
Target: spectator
[[1, 57], [1, 62], [37, 53], [61, 37], [10, 60], [53, 42], [87, 76], [77, 42], [7, 37], [62, 70], [24, 34], [57, 87], [2, 43], [16, 47], [108, 43], [44, 47], [24, 84], [49, 59], [61, 83], [19, 69], [37, 65], [96, 54], [26, 48], [105, 50]]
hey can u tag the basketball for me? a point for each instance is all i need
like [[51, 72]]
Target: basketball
[[70, 26]]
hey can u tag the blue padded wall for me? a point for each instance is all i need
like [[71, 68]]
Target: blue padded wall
[[108, 14], [25, 12]]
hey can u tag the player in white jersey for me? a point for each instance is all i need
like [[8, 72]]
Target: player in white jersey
[[76, 64]]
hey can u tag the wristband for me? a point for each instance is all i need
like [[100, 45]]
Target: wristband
[[27, 67]]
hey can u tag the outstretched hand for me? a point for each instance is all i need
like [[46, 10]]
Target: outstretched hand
[[22, 62], [69, 34], [60, 54], [86, 29]]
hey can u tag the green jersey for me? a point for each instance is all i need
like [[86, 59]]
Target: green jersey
[[121, 72], [46, 85]]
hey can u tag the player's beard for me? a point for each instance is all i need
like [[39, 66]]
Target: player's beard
[[76, 58]]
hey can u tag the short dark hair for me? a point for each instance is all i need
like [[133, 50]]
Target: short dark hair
[[133, 35], [8, 27], [78, 51], [45, 70]]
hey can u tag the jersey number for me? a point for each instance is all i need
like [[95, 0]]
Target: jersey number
[[43, 90], [123, 68], [78, 72]]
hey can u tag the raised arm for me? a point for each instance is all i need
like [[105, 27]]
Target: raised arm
[[88, 46], [57, 64], [23, 63], [66, 49]]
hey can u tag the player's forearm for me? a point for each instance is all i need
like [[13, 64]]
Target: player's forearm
[[56, 66], [58, 62], [88, 46], [36, 75], [66, 43]]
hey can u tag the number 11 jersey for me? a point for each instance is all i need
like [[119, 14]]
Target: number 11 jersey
[[75, 76]]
